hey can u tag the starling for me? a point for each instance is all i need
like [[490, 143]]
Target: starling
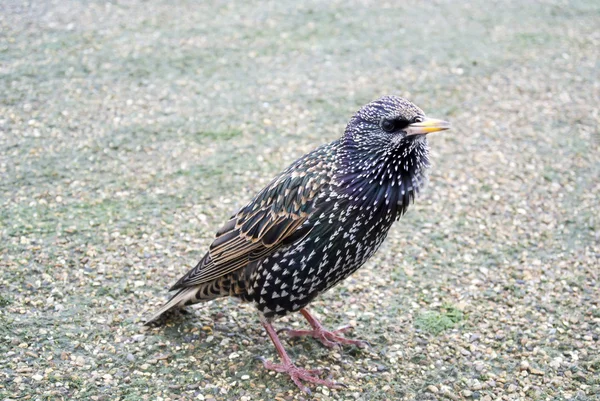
[[315, 224]]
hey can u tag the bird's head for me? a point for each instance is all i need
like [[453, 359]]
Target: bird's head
[[385, 152], [390, 122]]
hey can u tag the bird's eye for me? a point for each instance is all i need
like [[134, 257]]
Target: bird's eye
[[388, 125], [416, 120]]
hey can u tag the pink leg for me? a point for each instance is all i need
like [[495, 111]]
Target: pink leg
[[328, 338], [287, 366]]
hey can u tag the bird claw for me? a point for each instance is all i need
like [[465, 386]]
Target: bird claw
[[298, 375], [359, 343], [284, 329], [344, 329], [318, 371], [330, 339]]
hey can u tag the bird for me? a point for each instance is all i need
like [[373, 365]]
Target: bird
[[314, 225]]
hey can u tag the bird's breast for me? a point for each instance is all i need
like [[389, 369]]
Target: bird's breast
[[342, 239]]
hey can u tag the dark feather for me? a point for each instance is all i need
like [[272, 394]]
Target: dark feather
[[264, 224]]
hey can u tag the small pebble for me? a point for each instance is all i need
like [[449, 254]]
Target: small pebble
[[433, 389]]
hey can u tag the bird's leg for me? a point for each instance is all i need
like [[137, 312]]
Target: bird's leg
[[298, 375], [328, 338]]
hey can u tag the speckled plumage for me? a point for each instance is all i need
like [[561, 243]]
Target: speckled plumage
[[320, 219]]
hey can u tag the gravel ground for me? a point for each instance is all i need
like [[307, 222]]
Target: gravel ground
[[130, 130]]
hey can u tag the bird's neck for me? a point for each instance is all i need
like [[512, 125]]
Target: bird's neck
[[387, 176]]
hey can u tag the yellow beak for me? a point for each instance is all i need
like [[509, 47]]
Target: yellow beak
[[428, 126]]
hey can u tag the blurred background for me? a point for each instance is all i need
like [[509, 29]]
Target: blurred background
[[130, 130]]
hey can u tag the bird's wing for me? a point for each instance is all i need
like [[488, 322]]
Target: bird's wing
[[273, 218]]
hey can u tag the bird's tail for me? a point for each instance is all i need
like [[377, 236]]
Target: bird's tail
[[181, 298]]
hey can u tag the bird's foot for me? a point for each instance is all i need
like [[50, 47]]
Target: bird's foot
[[300, 375], [328, 338]]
